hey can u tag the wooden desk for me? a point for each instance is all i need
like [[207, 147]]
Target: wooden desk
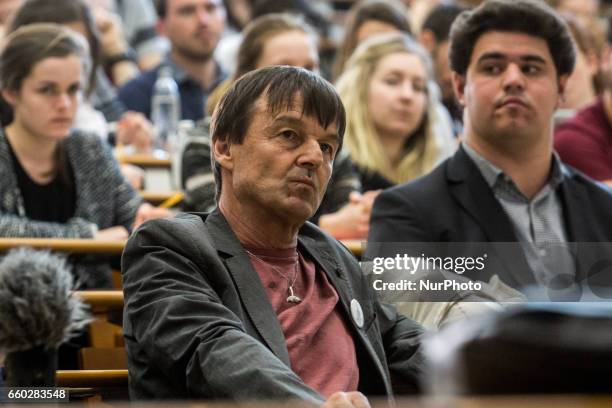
[[94, 246], [157, 170], [108, 299], [92, 378], [81, 246], [143, 160]]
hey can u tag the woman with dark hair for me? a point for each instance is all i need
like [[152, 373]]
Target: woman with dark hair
[[100, 93], [58, 183], [368, 18], [76, 15]]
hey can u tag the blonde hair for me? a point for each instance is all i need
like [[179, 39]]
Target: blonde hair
[[430, 143]]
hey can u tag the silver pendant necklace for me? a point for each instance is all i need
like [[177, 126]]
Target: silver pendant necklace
[[292, 298]]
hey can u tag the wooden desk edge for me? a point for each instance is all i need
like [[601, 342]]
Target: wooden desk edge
[[101, 298], [106, 247], [87, 378], [64, 245]]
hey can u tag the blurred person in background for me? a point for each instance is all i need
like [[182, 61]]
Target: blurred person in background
[[585, 141], [434, 37], [58, 183], [100, 105], [193, 28], [588, 12], [397, 130], [76, 15], [582, 85], [135, 20], [239, 13], [367, 18]]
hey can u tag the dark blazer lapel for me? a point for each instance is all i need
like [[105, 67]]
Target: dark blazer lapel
[[248, 285], [589, 247], [470, 189], [574, 198], [320, 252]]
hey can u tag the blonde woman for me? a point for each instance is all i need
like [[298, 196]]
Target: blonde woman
[[397, 130]]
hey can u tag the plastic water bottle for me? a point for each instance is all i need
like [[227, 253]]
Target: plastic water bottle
[[165, 110]]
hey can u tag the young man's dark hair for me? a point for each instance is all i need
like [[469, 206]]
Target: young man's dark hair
[[531, 17], [282, 85], [440, 19]]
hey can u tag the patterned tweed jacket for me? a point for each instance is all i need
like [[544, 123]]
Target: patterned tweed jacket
[[103, 199]]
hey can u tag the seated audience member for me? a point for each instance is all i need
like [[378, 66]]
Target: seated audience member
[[397, 129], [317, 15], [137, 19], [193, 28], [277, 39], [57, 183], [367, 18], [76, 15], [238, 14], [434, 37], [510, 61], [585, 141], [588, 12], [580, 90], [100, 96], [251, 301], [100, 104]]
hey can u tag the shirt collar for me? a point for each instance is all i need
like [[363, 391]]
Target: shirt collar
[[492, 174], [180, 76]]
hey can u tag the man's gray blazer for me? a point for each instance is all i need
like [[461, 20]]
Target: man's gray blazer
[[198, 323]]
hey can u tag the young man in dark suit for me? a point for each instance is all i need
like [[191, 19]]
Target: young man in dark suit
[[510, 61], [251, 301]]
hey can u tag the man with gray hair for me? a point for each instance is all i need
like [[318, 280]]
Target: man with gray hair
[[251, 301]]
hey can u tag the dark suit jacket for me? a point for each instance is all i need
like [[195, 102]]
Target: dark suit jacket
[[198, 323], [455, 204]]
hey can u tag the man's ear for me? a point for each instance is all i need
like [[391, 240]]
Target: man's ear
[[561, 84], [459, 87], [223, 153], [9, 96]]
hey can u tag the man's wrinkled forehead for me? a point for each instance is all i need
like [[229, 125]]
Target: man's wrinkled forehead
[[281, 109], [291, 115]]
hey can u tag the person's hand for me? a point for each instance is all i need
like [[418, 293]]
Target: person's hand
[[135, 129], [147, 212], [118, 233], [366, 199], [111, 36], [353, 220], [351, 399]]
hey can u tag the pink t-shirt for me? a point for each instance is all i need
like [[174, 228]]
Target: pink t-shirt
[[321, 348]]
